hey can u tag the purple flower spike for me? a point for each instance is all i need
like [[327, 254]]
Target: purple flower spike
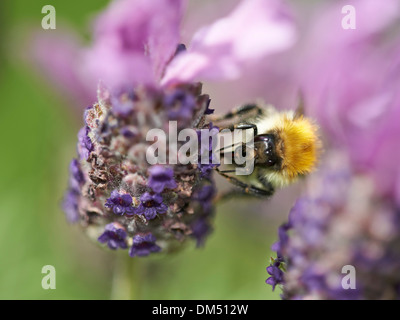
[[276, 275], [143, 245], [120, 203], [151, 205], [161, 178], [115, 236]]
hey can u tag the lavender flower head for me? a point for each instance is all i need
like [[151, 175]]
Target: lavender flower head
[[339, 222], [114, 185], [148, 79]]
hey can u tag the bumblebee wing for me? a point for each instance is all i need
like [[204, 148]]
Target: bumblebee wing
[[248, 113]]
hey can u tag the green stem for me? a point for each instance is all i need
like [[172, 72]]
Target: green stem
[[126, 278]]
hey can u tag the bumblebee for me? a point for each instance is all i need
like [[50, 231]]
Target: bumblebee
[[286, 147]]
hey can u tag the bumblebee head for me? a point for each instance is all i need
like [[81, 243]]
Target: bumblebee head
[[289, 149]]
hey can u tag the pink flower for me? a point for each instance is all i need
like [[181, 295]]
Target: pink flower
[[58, 59], [220, 51], [351, 81], [135, 42]]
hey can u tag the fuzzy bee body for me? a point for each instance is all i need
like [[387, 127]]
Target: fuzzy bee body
[[285, 146]]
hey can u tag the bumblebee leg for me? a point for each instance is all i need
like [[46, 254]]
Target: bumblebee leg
[[248, 188], [226, 171], [229, 146]]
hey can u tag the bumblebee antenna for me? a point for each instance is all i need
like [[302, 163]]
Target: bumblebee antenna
[[299, 112]]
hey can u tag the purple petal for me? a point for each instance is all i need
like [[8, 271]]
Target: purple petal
[[114, 235], [103, 238], [70, 206], [150, 213], [220, 51], [161, 178], [146, 197], [130, 211], [58, 55], [134, 39], [143, 245], [270, 270], [119, 210], [112, 244], [139, 210], [157, 198], [162, 208], [126, 199]]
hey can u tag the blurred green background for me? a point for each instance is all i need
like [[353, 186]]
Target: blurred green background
[[38, 132]]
